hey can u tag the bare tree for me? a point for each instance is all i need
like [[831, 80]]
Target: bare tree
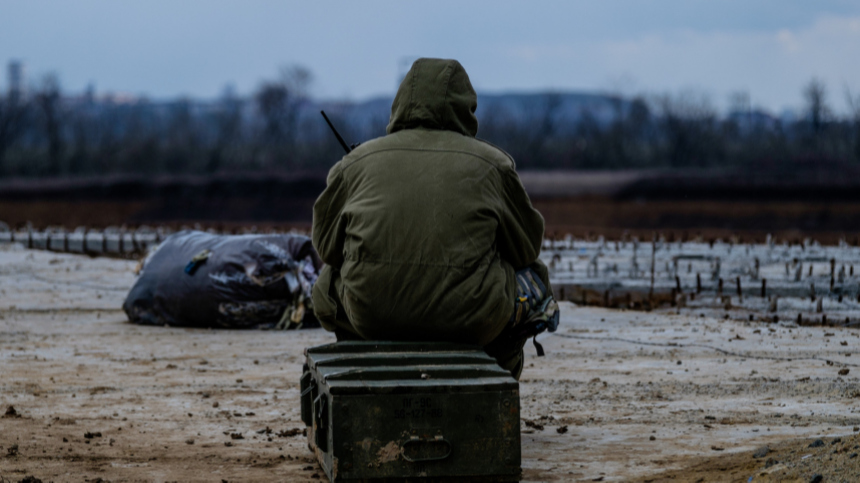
[[623, 141], [815, 95], [80, 124], [298, 80], [183, 139], [688, 123], [273, 104], [228, 130], [12, 123], [542, 124], [48, 99], [854, 117], [278, 103]]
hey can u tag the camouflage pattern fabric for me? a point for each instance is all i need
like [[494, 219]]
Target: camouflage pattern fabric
[[535, 311]]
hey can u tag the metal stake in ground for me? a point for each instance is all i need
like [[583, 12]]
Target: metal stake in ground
[[653, 256], [740, 292]]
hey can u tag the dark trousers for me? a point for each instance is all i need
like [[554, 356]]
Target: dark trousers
[[507, 347]]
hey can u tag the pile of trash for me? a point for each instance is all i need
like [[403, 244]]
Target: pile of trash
[[198, 279]]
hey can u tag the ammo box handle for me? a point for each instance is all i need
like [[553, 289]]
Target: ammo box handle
[[418, 443], [308, 386], [321, 419]]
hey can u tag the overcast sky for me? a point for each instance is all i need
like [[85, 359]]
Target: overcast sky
[[167, 48]]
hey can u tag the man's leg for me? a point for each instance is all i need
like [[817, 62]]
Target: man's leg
[[509, 355], [329, 308]]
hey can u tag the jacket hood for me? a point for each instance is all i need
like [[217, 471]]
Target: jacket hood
[[435, 94]]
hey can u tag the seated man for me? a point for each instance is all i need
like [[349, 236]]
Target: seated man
[[428, 234]]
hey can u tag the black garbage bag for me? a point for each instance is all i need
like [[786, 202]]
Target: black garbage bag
[[197, 279]]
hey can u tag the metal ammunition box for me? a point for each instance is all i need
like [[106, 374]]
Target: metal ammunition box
[[416, 411]]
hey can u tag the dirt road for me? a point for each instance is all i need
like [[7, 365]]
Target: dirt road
[[620, 395]]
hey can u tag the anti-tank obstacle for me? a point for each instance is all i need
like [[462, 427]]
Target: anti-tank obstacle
[[771, 281]]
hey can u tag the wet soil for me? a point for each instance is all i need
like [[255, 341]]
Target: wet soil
[[620, 395]]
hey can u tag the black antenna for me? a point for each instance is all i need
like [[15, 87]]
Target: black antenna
[[337, 134]]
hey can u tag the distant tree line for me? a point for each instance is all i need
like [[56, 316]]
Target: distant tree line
[[46, 133], [678, 131]]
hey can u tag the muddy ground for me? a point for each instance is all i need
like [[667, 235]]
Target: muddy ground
[[620, 395]]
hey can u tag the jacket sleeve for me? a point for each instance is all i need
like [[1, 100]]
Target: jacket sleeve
[[521, 227], [329, 228]]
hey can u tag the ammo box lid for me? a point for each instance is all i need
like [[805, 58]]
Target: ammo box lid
[[375, 367]]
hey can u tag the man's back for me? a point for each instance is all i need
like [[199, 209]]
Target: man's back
[[424, 228]]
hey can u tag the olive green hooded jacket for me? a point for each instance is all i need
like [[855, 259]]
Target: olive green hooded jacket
[[422, 229]]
